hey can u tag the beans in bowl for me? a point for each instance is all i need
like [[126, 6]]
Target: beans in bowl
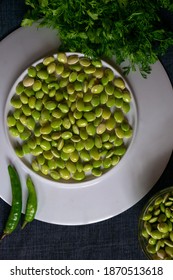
[[69, 113]]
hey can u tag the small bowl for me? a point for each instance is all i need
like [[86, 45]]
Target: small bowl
[[155, 229]]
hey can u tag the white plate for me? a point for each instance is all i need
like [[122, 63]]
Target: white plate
[[131, 116], [146, 160]]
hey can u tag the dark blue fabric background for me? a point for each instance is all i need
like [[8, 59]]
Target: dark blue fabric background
[[113, 239]]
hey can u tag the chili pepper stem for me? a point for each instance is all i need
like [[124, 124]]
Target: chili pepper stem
[[24, 224], [3, 236]]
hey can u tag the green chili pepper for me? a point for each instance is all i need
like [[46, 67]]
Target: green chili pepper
[[31, 205], [16, 208]]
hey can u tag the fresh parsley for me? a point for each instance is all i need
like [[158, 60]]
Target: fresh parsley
[[130, 30]]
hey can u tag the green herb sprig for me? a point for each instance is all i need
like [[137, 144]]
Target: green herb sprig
[[130, 30]]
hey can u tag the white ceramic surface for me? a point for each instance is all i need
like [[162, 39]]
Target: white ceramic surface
[[146, 160]]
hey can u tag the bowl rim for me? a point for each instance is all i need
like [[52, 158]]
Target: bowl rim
[[141, 239], [67, 183]]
